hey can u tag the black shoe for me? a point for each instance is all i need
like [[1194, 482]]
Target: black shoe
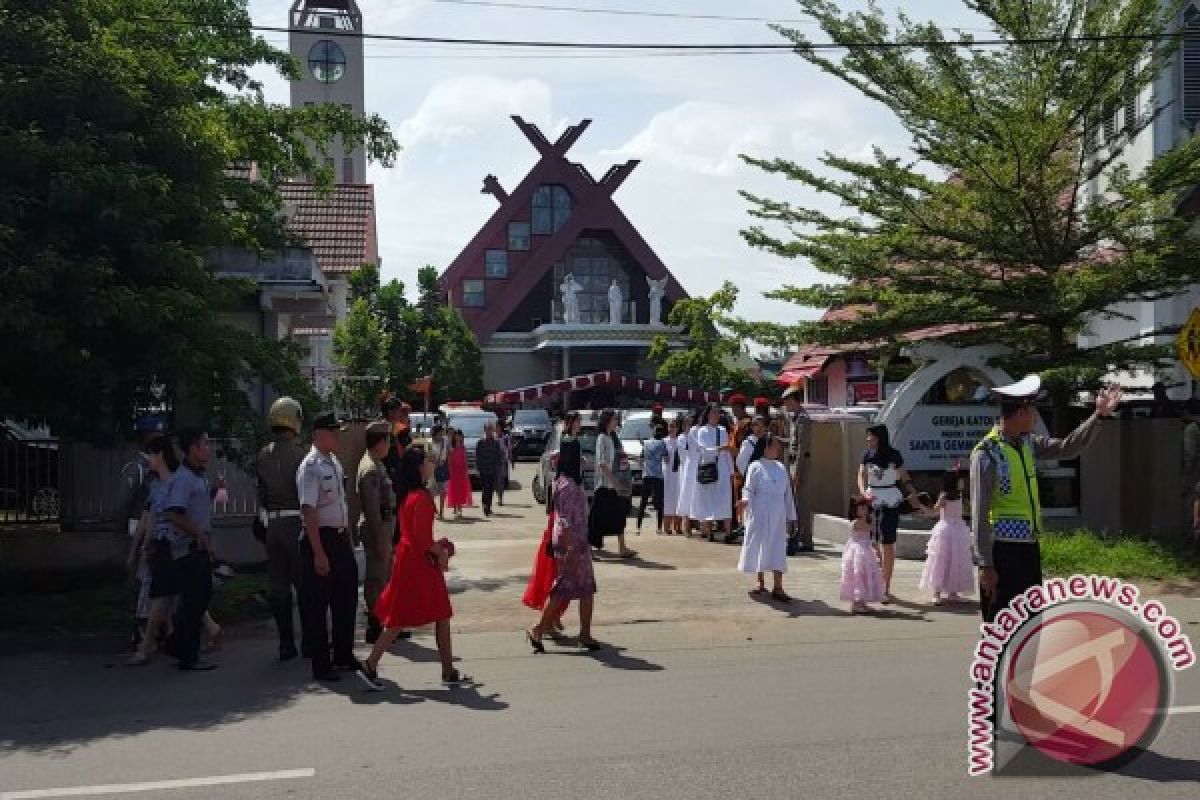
[[405, 635], [806, 547], [370, 679], [371, 636], [287, 652], [327, 677], [198, 666], [354, 665]]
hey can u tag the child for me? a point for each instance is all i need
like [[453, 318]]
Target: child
[[948, 566], [862, 577]]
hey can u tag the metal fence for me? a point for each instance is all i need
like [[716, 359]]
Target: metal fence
[[30, 481]]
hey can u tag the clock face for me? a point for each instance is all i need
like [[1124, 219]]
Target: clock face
[[327, 61]]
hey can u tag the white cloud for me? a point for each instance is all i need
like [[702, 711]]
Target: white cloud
[[466, 105]]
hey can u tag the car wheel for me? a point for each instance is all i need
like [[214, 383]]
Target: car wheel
[[45, 503]]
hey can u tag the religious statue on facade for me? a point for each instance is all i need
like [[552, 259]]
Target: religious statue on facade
[[614, 304], [657, 290], [570, 299]]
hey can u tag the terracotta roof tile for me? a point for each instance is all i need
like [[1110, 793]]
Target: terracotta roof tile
[[338, 226]]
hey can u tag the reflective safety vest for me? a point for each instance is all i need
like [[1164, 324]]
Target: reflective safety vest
[[1016, 511]]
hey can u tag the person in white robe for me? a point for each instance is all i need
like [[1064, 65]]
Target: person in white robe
[[672, 476], [687, 471], [746, 451], [769, 510], [712, 503]]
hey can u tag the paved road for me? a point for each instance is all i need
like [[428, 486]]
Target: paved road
[[705, 693]]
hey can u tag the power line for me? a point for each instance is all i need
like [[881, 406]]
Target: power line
[[686, 46], [621, 12]]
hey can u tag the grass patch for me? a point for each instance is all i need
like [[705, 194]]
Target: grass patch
[[1128, 557], [107, 607]]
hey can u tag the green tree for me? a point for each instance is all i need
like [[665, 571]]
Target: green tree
[[119, 120], [706, 362], [360, 347], [993, 225], [462, 375]]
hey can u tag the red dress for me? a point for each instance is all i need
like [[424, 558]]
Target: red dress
[[458, 492], [537, 591], [416, 593]]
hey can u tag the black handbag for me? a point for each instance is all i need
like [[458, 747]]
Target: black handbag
[[707, 473], [441, 473]]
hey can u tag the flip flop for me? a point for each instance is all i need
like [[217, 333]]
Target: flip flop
[[591, 645], [780, 595], [455, 678], [760, 590]]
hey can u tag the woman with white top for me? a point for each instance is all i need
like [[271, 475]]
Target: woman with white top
[[758, 428], [880, 478], [768, 508], [712, 501], [609, 508], [672, 474], [687, 473]]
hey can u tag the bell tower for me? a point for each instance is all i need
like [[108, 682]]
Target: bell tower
[[325, 38]]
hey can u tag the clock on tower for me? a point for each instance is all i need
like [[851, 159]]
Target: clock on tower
[[325, 38]]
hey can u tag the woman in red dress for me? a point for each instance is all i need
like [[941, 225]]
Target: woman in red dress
[[416, 593], [458, 492]]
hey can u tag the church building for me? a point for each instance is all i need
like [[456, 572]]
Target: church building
[[558, 282]]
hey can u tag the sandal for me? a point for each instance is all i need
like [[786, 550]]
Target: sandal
[[535, 643], [591, 645], [758, 591], [455, 678], [780, 596]]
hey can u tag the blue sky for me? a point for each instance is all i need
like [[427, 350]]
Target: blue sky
[[686, 118]]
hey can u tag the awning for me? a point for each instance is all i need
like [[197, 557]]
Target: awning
[[619, 380]]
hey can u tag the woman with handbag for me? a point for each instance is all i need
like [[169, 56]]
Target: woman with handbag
[[609, 508], [416, 593], [713, 502], [574, 578]]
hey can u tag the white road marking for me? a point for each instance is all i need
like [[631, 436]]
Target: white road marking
[[1172, 711], [151, 786]]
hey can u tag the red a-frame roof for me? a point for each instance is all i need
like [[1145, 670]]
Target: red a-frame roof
[[593, 209]]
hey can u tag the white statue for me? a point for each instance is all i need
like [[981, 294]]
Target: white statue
[[614, 304], [570, 299], [657, 290]]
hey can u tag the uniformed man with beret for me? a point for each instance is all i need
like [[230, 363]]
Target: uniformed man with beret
[[279, 516], [329, 571], [801, 433], [1006, 512], [377, 526]]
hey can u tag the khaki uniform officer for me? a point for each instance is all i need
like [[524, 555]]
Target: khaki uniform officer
[[279, 515], [329, 572], [801, 445], [378, 523]]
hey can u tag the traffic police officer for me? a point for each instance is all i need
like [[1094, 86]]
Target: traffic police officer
[[1006, 513], [378, 523], [279, 516], [801, 446], [329, 572]]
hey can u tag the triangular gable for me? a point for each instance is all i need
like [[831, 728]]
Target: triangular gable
[[593, 208]]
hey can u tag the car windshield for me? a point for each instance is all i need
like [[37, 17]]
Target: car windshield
[[637, 428], [422, 422], [531, 418], [471, 426]]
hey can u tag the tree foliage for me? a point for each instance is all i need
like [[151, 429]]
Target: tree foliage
[[119, 120], [991, 219], [707, 362], [400, 343]]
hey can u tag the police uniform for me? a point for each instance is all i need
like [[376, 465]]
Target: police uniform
[[377, 527], [279, 513], [1006, 511], [800, 447], [321, 486]]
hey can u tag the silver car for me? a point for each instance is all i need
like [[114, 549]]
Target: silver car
[[472, 425]]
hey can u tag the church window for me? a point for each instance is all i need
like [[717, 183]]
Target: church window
[[496, 263], [473, 294], [551, 208], [518, 236]]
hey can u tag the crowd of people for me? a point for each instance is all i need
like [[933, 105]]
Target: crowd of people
[[741, 475]]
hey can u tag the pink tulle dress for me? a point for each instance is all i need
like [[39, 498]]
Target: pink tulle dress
[[862, 577], [949, 568]]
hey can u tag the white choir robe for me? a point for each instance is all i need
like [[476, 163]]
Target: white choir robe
[[687, 472], [769, 511], [745, 453], [671, 479], [712, 502]]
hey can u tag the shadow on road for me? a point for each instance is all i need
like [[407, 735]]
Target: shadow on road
[[466, 696], [460, 585], [801, 608]]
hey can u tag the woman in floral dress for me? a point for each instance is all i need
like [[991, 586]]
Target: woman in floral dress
[[574, 579]]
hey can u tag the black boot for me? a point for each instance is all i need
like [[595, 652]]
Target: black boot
[[374, 629], [286, 628]]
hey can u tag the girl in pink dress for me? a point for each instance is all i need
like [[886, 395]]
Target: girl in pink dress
[[458, 491], [949, 569], [862, 577]]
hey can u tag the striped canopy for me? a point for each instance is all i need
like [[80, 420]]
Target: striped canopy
[[618, 380]]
